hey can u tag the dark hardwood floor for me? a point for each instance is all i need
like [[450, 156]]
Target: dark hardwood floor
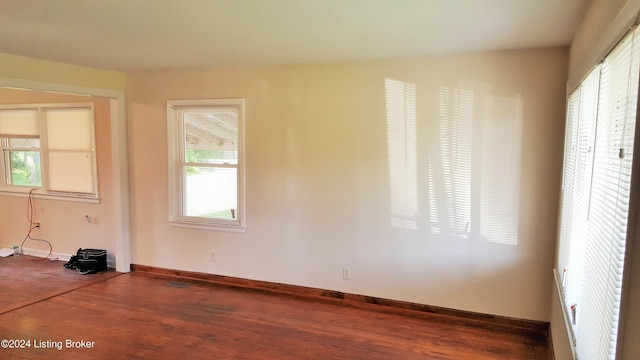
[[26, 279], [142, 316]]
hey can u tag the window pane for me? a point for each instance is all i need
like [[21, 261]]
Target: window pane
[[25, 168], [211, 157], [210, 192], [211, 136]]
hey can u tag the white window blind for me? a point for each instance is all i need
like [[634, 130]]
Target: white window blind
[[50, 148], [567, 206], [71, 150], [595, 198], [19, 122], [580, 137]]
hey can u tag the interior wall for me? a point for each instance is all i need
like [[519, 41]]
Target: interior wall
[[25, 68], [63, 223], [454, 206]]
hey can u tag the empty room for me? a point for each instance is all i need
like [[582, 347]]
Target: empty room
[[319, 179]]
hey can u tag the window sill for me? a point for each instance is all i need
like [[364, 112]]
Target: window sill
[[210, 227], [59, 197]]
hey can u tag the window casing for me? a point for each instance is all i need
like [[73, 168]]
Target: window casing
[[50, 148], [206, 163]]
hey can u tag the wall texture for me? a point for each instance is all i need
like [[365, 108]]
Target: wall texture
[[449, 198]]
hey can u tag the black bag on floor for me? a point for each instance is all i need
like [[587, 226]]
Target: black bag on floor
[[72, 263], [88, 261]]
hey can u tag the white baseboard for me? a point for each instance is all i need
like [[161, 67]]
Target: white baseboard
[[59, 256], [44, 253]]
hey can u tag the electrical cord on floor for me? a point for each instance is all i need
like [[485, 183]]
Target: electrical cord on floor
[[30, 213]]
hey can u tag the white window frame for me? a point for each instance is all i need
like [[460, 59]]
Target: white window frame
[[175, 141], [44, 191]]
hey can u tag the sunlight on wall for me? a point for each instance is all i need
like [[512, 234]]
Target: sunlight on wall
[[403, 158], [450, 166], [473, 174], [500, 170], [472, 166], [474, 169]]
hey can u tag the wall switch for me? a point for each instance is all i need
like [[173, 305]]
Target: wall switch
[[212, 256], [346, 273]]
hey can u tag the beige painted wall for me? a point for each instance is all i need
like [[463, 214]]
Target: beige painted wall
[[25, 68], [604, 22], [478, 234], [63, 222]]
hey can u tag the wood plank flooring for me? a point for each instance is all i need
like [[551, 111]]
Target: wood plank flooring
[[139, 316], [27, 279]]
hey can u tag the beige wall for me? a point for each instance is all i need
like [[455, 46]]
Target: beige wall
[[25, 68], [604, 23], [477, 234], [63, 222]]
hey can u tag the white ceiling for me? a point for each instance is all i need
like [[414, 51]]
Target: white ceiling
[[161, 34]]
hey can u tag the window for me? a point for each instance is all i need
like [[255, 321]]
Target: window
[[50, 147], [594, 214], [206, 187]]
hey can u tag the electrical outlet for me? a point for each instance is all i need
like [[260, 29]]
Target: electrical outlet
[[36, 224], [212, 256], [346, 273]]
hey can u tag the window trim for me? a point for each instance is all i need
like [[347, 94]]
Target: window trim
[[175, 178], [43, 192]]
